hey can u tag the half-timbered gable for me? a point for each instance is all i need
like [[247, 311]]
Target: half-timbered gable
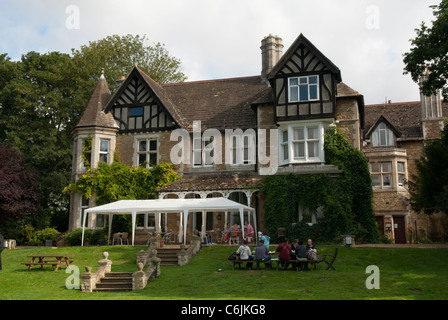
[[140, 106], [304, 83]]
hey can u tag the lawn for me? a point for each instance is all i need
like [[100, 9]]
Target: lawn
[[405, 274]]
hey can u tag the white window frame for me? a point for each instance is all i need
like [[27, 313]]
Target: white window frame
[[206, 148], [146, 222], [382, 131], [241, 150], [302, 82], [102, 152], [148, 152], [291, 159], [401, 174], [382, 173]]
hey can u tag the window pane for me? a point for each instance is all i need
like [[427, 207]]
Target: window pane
[[312, 79], [285, 136], [304, 80], [386, 166], [387, 180], [153, 159], [400, 166], [142, 145], [151, 220], [197, 160], [376, 180], [375, 167], [197, 144], [142, 159], [312, 133], [293, 94], [401, 179], [303, 93], [152, 145], [298, 134], [103, 157], [299, 150], [383, 139], [285, 152], [293, 81], [136, 111], [312, 149], [104, 145], [313, 92]]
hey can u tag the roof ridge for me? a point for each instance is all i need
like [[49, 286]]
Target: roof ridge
[[210, 81], [391, 104]]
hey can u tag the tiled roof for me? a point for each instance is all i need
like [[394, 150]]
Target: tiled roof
[[220, 104], [214, 181], [406, 117], [93, 115]]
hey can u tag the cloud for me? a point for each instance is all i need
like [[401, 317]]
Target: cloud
[[221, 38]]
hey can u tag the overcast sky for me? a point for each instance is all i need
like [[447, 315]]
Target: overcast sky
[[217, 39]]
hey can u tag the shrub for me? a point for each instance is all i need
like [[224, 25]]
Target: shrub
[[94, 237]]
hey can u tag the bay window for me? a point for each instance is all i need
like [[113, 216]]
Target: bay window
[[302, 143]]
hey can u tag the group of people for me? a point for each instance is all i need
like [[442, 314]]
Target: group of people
[[249, 233], [295, 251]]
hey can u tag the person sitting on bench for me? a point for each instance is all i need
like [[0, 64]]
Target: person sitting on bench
[[301, 254], [284, 250], [245, 254], [262, 254]]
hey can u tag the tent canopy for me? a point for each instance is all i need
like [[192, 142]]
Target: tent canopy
[[135, 207]]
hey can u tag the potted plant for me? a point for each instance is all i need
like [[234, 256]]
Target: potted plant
[[161, 241]]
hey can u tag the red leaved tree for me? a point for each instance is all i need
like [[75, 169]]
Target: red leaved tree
[[18, 196]]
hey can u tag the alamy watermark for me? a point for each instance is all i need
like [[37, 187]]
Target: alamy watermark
[[240, 147], [373, 281], [73, 20]]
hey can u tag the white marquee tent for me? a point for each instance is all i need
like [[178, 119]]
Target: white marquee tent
[[158, 206]]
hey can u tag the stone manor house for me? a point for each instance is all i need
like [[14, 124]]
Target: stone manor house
[[300, 93]]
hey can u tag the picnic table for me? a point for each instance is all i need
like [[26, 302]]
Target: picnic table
[[51, 259]]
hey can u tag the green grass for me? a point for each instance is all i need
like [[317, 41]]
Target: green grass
[[405, 274]]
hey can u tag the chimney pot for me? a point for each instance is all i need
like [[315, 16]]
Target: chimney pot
[[271, 52]]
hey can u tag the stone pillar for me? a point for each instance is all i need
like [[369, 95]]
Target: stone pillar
[[105, 264], [88, 280], [182, 256], [139, 278], [142, 257]]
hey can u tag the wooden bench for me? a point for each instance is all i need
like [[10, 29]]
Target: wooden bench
[[239, 262], [312, 262], [49, 263], [51, 260]]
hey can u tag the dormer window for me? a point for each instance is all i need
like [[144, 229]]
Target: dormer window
[[382, 136], [303, 89]]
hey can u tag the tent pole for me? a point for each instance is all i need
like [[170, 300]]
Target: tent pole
[[110, 227], [133, 225], [83, 227], [185, 225], [242, 221]]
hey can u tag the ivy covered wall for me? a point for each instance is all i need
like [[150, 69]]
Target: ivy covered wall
[[346, 199]]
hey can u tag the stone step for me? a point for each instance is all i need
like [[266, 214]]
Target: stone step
[[115, 281]]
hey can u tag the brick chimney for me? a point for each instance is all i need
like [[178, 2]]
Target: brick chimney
[[271, 52]]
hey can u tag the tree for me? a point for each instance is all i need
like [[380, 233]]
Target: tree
[[119, 54], [429, 52], [43, 95], [429, 186], [18, 196], [118, 181]]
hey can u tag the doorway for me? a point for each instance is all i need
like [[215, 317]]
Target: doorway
[[399, 230]]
